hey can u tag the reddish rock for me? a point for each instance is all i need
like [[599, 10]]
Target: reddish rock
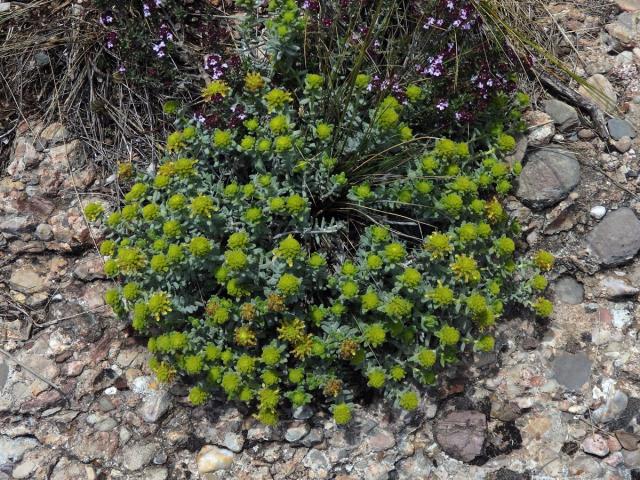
[[462, 433]]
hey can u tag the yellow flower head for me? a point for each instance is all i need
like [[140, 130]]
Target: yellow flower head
[[216, 89], [253, 82]]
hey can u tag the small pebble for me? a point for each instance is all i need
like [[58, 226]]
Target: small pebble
[[598, 212]]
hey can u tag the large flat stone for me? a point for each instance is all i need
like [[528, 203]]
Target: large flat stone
[[462, 433], [616, 239], [572, 370], [548, 177]]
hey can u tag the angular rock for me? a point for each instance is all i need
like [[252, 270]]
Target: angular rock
[[380, 440], [616, 239], [296, 432], [139, 455], [54, 133], [564, 116], [155, 405], [615, 404], [628, 5], [626, 29], [67, 469], [615, 288], [631, 459], [317, 461], [90, 268], [595, 445], [233, 441], [541, 128], [601, 92], [12, 449], [24, 156], [548, 177], [572, 370], [16, 224], [462, 434], [26, 280], [629, 441], [619, 128], [212, 459]]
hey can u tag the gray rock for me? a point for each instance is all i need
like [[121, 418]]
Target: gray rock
[[233, 441], [155, 473], [619, 128], [616, 239], [626, 29], [548, 177], [304, 412], [316, 460], [42, 59], [314, 437], [616, 403], [155, 405], [461, 434], [564, 116], [67, 469], [139, 455], [615, 288], [296, 432], [4, 374], [24, 469], [631, 459], [26, 280], [44, 232], [572, 370], [106, 425], [12, 449], [568, 290], [15, 225]]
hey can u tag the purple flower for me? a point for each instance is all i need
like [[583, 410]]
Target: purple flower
[[111, 39], [106, 18], [215, 66], [160, 48], [146, 10], [311, 5], [442, 105], [165, 32]]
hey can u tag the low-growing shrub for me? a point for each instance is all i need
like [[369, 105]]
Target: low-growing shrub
[[312, 234]]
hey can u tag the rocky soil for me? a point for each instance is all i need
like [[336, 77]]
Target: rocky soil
[[557, 400]]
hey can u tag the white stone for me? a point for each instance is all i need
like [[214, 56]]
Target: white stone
[[111, 391], [212, 459], [621, 318], [598, 212]]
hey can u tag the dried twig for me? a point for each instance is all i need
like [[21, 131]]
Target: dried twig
[[32, 372], [577, 100]]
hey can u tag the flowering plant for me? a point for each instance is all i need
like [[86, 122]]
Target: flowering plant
[[294, 247]]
